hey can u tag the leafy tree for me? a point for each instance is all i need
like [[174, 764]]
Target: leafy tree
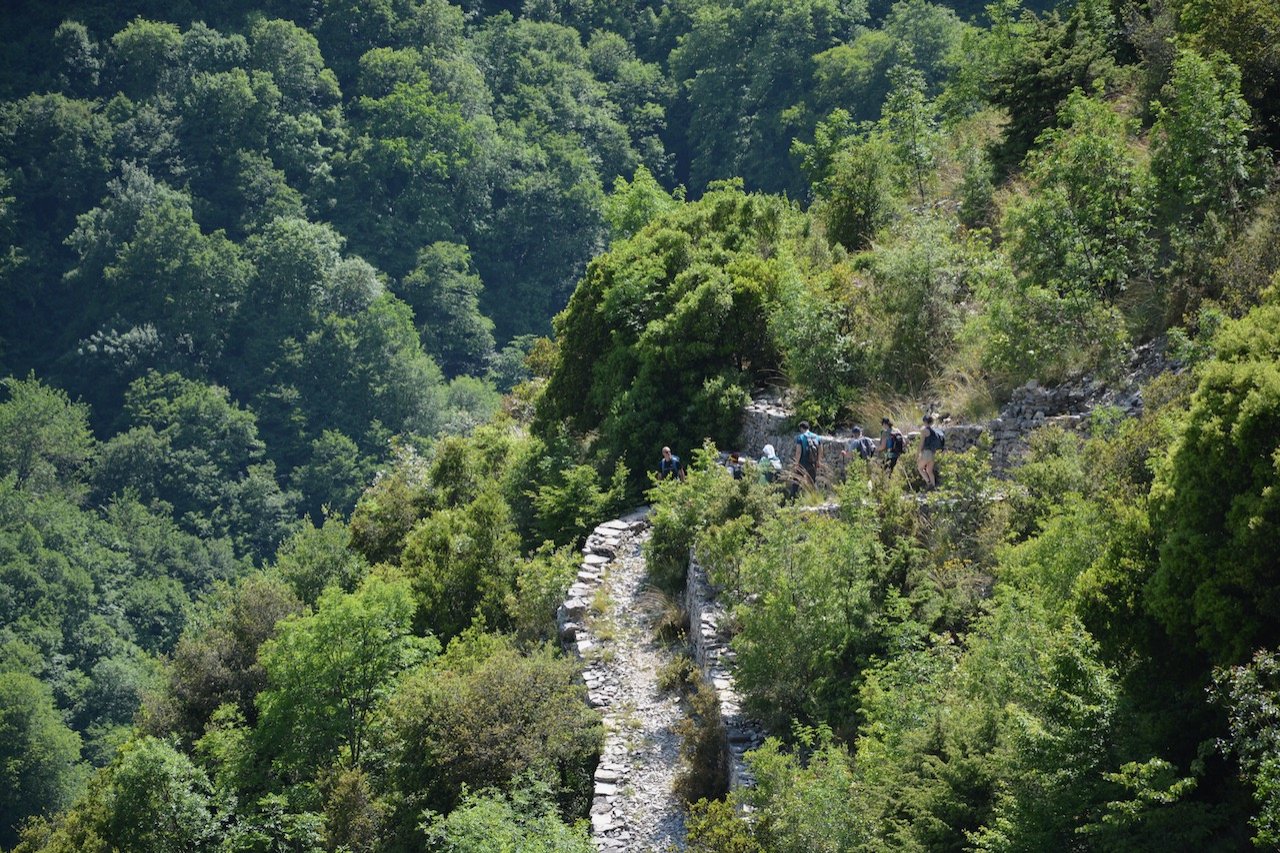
[[39, 755], [47, 440], [327, 673], [405, 172], [1213, 586], [157, 801], [444, 294], [1085, 231], [1246, 31], [81, 58], [910, 126], [55, 156], [823, 580], [1202, 200], [1048, 59], [334, 477], [144, 57], [524, 821], [855, 198], [921, 275], [461, 562], [801, 805], [666, 331], [634, 204], [1200, 111], [389, 509], [483, 715], [315, 558], [216, 660], [1249, 692]]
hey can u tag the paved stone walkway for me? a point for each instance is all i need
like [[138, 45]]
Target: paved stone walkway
[[635, 808]]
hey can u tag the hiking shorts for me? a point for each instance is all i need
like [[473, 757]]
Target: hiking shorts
[[927, 455]]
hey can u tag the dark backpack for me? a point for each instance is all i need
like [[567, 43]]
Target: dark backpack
[[935, 440], [808, 448], [897, 443]]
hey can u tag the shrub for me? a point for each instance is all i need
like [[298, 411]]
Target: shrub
[[704, 749]]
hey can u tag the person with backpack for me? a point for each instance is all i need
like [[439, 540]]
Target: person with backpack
[[892, 444], [769, 465], [735, 465], [807, 457], [934, 440], [669, 466], [863, 445]]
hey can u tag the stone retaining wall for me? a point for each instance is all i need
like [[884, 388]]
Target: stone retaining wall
[[766, 420], [709, 635], [601, 548], [709, 638]]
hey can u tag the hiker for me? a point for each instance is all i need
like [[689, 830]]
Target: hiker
[[863, 446], [669, 466], [770, 465], [892, 444], [735, 465], [934, 440], [807, 456]]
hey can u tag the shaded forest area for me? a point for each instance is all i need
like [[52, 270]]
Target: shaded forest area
[[330, 328]]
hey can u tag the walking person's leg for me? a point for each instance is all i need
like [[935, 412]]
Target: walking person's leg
[[926, 468]]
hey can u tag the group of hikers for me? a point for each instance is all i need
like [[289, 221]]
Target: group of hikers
[[807, 455]]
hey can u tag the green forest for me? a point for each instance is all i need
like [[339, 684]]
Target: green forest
[[330, 329]]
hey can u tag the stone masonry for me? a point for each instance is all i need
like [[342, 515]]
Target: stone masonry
[[709, 636], [608, 621], [1069, 405], [603, 620]]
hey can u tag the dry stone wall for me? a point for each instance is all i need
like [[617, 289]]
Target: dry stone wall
[[603, 621], [709, 634], [1069, 405], [608, 620]]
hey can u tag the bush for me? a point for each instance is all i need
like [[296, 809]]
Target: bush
[[707, 497], [704, 749], [485, 715]]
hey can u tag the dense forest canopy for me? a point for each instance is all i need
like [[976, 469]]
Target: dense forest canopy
[[329, 329]]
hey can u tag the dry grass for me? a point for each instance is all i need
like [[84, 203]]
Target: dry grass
[[875, 404], [668, 617], [964, 393]]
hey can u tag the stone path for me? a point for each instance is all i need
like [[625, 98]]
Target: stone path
[[610, 616]]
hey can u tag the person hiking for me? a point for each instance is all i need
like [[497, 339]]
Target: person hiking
[[933, 441], [669, 466], [769, 465], [892, 444], [863, 445], [735, 465], [808, 455]]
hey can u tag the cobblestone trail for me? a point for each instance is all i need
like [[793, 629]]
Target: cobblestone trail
[[635, 808]]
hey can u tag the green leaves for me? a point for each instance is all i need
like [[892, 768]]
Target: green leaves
[[38, 753], [666, 330], [327, 672], [1213, 502]]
